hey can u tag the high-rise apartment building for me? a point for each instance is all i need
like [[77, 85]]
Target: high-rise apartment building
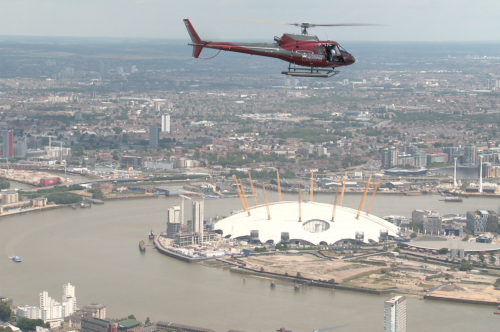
[[154, 136], [198, 215], [49, 310], [389, 157], [173, 222], [395, 314], [165, 123], [8, 143], [68, 299]]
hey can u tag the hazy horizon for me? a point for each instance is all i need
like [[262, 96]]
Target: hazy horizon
[[403, 20]]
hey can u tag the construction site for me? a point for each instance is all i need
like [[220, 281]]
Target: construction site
[[30, 177]]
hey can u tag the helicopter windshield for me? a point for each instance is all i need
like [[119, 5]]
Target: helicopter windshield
[[343, 50]]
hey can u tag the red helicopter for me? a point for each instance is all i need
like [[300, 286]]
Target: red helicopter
[[306, 54]]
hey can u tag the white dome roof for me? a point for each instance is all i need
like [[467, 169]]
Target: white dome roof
[[316, 225]]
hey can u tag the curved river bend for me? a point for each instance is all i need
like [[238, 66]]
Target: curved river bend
[[96, 250]]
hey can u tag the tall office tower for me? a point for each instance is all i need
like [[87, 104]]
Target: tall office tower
[[395, 314], [8, 143], [165, 123], [154, 136], [198, 214], [470, 155]]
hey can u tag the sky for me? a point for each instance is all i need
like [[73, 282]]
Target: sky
[[404, 20]]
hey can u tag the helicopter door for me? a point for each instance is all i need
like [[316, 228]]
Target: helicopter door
[[336, 55]]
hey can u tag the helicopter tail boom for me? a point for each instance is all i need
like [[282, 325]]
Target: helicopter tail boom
[[197, 42]]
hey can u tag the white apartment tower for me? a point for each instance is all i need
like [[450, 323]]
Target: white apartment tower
[[198, 214], [165, 123], [49, 310], [173, 222], [395, 314], [68, 299]]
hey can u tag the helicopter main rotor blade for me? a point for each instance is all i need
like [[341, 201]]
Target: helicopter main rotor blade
[[345, 25], [260, 21]]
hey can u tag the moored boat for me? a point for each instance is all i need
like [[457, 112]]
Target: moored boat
[[453, 199], [17, 259]]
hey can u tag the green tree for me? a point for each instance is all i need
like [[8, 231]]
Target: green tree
[[5, 311], [465, 266], [64, 198], [466, 238], [147, 321], [413, 235], [131, 317], [117, 130], [481, 257], [27, 324], [443, 251], [77, 151], [4, 184]]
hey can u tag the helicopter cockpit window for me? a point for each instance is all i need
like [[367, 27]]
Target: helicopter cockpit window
[[320, 49], [343, 51]]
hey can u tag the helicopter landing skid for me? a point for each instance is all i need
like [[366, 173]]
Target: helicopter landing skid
[[310, 71]]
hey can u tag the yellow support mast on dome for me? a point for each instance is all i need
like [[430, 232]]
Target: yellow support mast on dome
[[253, 190], [300, 205], [279, 184], [364, 197], [311, 194], [244, 195], [239, 193], [343, 189], [267, 203], [373, 197], [335, 204]]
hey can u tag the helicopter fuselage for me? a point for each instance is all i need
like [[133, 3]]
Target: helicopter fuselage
[[298, 49]]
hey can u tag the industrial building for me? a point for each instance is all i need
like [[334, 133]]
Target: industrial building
[[428, 222], [131, 161], [94, 324], [482, 221], [305, 223], [189, 238], [395, 314], [176, 327]]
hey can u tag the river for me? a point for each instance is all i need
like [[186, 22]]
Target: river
[[97, 251]]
